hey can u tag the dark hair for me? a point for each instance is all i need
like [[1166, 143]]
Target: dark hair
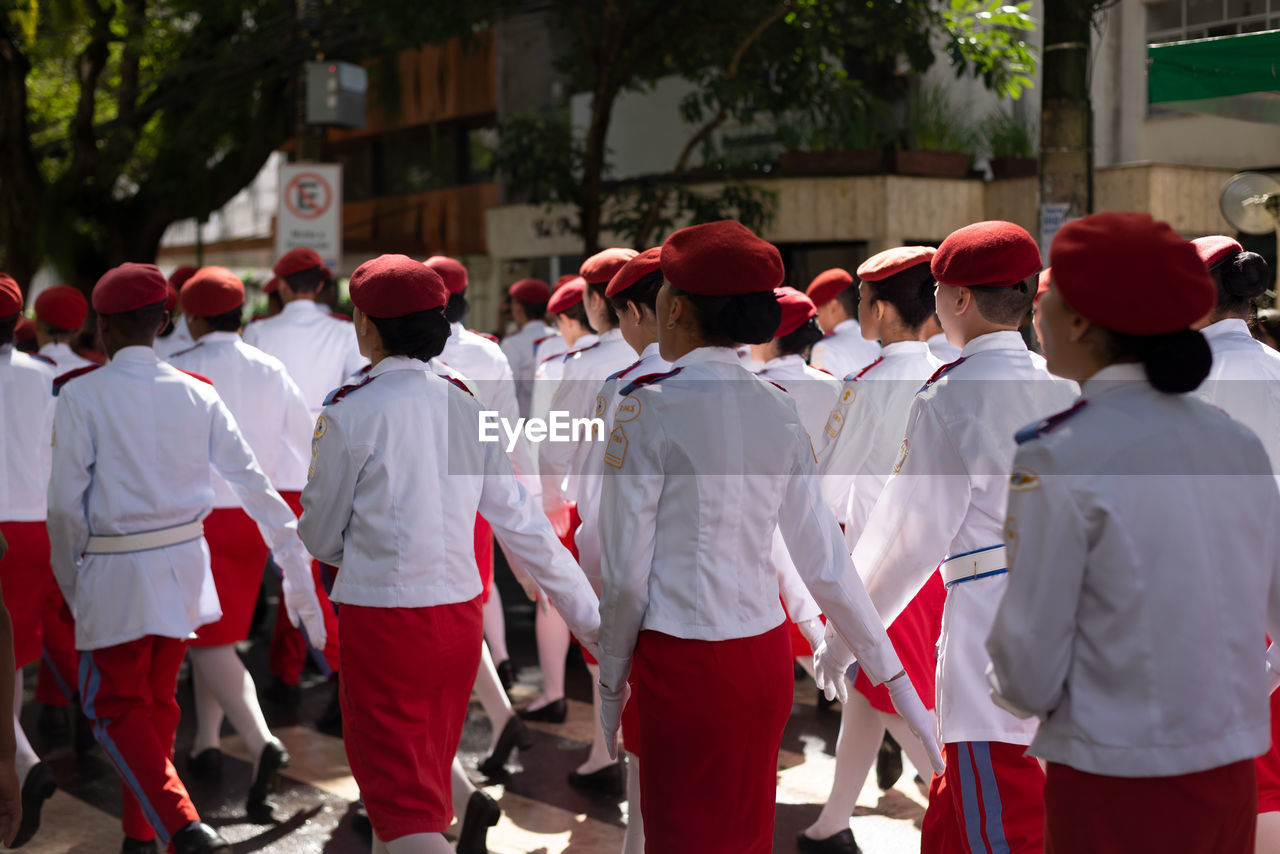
[[848, 299], [910, 293], [1241, 279], [57, 332], [1004, 306], [7, 325], [533, 310], [800, 339], [741, 319], [1174, 363], [420, 335], [643, 293], [275, 299], [457, 308], [140, 324], [578, 312], [1269, 322], [307, 281], [228, 321], [598, 290]]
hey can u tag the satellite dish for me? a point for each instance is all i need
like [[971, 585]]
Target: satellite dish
[[1250, 201]]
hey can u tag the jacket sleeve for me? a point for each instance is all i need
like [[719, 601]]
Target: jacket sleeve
[[329, 496], [74, 455]]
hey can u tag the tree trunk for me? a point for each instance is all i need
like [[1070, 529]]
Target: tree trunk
[[593, 164], [20, 185], [1066, 119]]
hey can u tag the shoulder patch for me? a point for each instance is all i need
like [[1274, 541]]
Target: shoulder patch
[[200, 377], [615, 453], [187, 350], [339, 316], [628, 410], [941, 372], [459, 383], [43, 358], [862, 373], [339, 393], [647, 379], [63, 379], [1047, 425]]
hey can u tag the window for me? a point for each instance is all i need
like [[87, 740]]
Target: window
[[411, 160], [1181, 20]]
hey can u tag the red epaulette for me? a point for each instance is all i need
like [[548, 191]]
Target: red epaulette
[[1047, 425], [337, 315], [552, 356], [187, 350], [342, 391], [941, 372], [200, 377], [492, 338], [364, 372], [860, 373], [824, 370], [43, 358], [63, 379], [775, 385], [647, 379], [583, 349], [622, 373], [459, 383], [538, 341]]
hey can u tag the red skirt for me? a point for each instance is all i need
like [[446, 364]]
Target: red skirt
[[406, 683], [1268, 765], [711, 715], [25, 579], [915, 638], [238, 556], [484, 556]]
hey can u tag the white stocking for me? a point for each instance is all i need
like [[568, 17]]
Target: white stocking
[[25, 758], [599, 756], [208, 714], [553, 646], [495, 626], [232, 687], [420, 843], [1268, 832], [497, 707], [460, 789], [861, 731], [633, 841]]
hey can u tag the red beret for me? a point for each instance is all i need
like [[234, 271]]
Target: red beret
[[297, 260], [567, 295], [25, 332], [567, 277], [796, 309], [721, 259], [451, 270], [634, 270], [10, 296], [179, 277], [1043, 284], [396, 285], [62, 307], [992, 254], [1215, 249], [272, 286], [1129, 273], [530, 290], [212, 291], [890, 262], [170, 297], [129, 287], [601, 267], [827, 285]]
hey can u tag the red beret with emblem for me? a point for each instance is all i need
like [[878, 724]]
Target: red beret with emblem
[[1131, 274], [827, 285], [530, 290], [721, 259], [601, 267], [634, 270], [396, 285], [992, 254], [129, 287], [1216, 248], [297, 260], [890, 262], [1042, 285], [212, 291], [10, 296], [567, 295], [62, 307], [796, 309], [451, 270]]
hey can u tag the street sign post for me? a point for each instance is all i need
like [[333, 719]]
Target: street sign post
[[309, 213]]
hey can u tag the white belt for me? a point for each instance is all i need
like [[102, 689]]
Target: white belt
[[979, 563], [125, 543]]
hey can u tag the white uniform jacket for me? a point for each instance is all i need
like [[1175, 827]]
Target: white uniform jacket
[[134, 443], [715, 460], [179, 339], [318, 349], [1245, 382], [63, 357], [551, 344], [814, 392], [268, 407], [942, 349], [398, 476], [519, 349], [26, 429], [1145, 570], [946, 498], [843, 351]]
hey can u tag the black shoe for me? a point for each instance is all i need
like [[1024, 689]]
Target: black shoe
[[285, 695], [841, 843], [360, 819], [199, 838], [514, 734], [271, 760], [483, 813], [138, 846], [206, 764], [888, 763], [552, 713], [84, 740], [54, 723], [607, 781], [506, 674], [36, 789]]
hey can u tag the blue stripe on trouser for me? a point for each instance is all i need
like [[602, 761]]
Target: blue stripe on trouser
[[57, 675], [89, 693], [969, 799], [990, 797]]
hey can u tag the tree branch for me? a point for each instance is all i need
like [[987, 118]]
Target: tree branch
[[89, 68]]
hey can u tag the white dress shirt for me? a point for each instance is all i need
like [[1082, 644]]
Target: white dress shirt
[[483, 363], [63, 357], [26, 429], [701, 468], [942, 349], [948, 497], [318, 349], [399, 474], [547, 379], [843, 350], [551, 344], [179, 339], [1145, 570], [268, 407], [1245, 382], [134, 443], [519, 348]]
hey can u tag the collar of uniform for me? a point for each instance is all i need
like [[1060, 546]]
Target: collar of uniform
[[728, 355], [650, 351], [301, 306], [904, 348], [1112, 377], [455, 329], [534, 325], [782, 363], [397, 363], [136, 353], [1005, 339], [614, 334], [849, 326], [1231, 327], [217, 337], [54, 347]]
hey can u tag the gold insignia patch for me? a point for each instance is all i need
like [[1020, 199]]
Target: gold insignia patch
[[599, 405], [53, 437], [902, 457], [1011, 538], [848, 395], [616, 453], [835, 423], [321, 426], [628, 410], [1023, 478]]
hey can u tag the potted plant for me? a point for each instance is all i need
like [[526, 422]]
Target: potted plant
[[1010, 140], [939, 138], [850, 143]]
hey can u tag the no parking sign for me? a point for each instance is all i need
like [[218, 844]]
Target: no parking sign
[[309, 213]]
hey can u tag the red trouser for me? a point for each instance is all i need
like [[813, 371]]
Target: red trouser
[[60, 663], [989, 801], [711, 716], [128, 692], [237, 555], [288, 652], [1268, 765], [1209, 812], [406, 684], [26, 578]]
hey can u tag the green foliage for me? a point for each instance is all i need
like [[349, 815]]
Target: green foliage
[[539, 158], [629, 212], [1005, 133], [985, 38], [936, 122]]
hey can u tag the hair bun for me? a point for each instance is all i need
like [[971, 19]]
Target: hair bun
[[1178, 362], [1246, 276]]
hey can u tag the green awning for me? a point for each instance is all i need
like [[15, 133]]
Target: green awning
[[1236, 76]]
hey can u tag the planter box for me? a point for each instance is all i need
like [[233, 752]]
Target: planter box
[[931, 164], [1014, 167], [869, 161]]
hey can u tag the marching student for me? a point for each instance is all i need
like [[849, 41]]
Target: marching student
[[407, 438], [60, 312], [944, 504], [175, 336], [664, 534], [782, 363], [1144, 561], [573, 333], [843, 351], [528, 298], [135, 442], [271, 413]]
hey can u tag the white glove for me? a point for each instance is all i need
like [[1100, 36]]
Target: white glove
[[301, 603], [830, 661], [813, 631], [612, 702], [920, 720]]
